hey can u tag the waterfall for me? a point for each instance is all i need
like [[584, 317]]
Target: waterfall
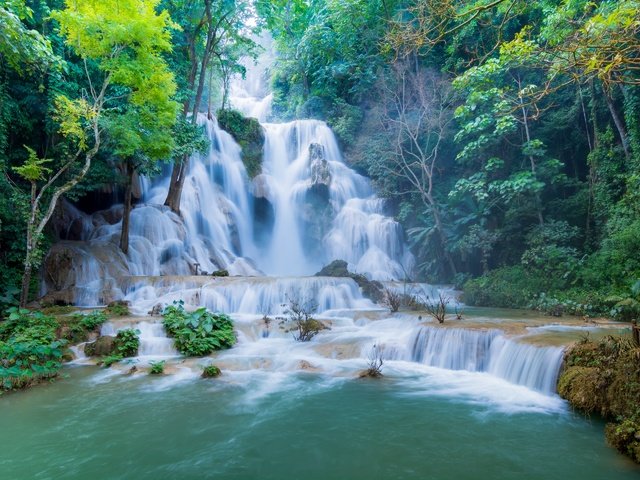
[[260, 296], [484, 351]]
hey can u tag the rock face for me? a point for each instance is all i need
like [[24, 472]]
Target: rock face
[[604, 378], [320, 170], [373, 290], [249, 135]]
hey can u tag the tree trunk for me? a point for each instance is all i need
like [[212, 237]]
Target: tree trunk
[[177, 182], [619, 123], [26, 282], [126, 214], [533, 165]]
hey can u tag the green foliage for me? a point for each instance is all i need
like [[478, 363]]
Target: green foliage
[[211, 371], [90, 321], [507, 287], [117, 309], [29, 349], [249, 135], [200, 332], [127, 342], [157, 368]]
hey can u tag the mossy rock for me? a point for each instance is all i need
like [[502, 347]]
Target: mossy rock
[[371, 289], [581, 386], [625, 437], [103, 346], [604, 378], [211, 371], [249, 135]]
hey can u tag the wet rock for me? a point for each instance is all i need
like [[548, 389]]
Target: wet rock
[[249, 135], [320, 170], [59, 298], [156, 311], [371, 289], [261, 187], [58, 267], [103, 346]]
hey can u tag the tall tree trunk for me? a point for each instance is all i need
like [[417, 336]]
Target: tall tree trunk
[[126, 214], [619, 123], [533, 165]]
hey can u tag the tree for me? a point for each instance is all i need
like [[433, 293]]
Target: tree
[[206, 26], [417, 117], [125, 43]]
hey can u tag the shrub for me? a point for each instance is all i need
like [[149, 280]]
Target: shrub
[[117, 309], [126, 344], [508, 287], [157, 368], [90, 321], [375, 362], [200, 332], [299, 320], [211, 371], [29, 349]]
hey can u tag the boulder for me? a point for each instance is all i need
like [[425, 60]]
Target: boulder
[[103, 346], [372, 289]]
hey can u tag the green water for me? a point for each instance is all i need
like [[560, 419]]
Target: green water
[[309, 428]]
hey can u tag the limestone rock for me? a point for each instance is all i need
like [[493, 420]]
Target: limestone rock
[[104, 345]]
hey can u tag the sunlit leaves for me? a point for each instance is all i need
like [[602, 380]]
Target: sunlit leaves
[[33, 169]]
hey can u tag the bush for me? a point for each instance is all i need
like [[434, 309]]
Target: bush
[[126, 344], [29, 349], [507, 287], [299, 320], [157, 368], [211, 371], [117, 309], [200, 332], [80, 325]]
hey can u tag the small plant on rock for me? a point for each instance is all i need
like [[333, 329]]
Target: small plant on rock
[[200, 332], [157, 368], [211, 371], [392, 300], [300, 321], [126, 345], [376, 361], [437, 307]]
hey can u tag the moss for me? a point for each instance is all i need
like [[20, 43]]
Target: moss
[[249, 135], [604, 378]]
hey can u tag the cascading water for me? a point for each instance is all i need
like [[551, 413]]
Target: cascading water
[[485, 351], [304, 209]]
